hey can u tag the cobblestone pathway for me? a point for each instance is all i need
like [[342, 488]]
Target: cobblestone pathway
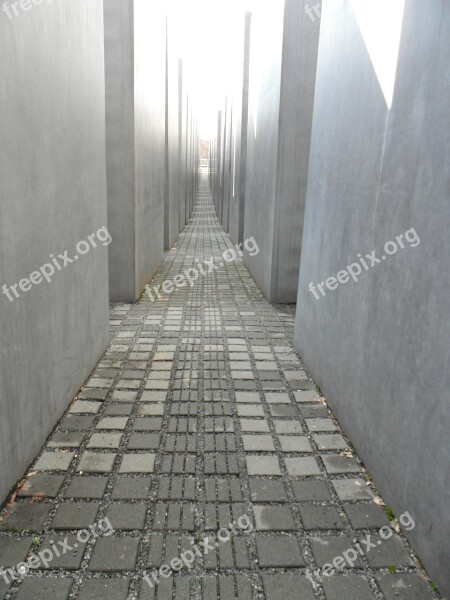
[[200, 417]]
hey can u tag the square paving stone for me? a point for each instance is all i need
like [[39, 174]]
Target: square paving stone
[[94, 394], [296, 443], [320, 517], [326, 549], [104, 589], [388, 553], [114, 554], [69, 558], [347, 587], [144, 441], [44, 485], [352, 489], [112, 423], [85, 407], [73, 423], [283, 410], [266, 490], [317, 411], [37, 588], [124, 396], [311, 491], [277, 398], [278, 551], [330, 441], [335, 464], [147, 424], [13, 551], [24, 516], [54, 461], [302, 466], [287, 587], [321, 425], [254, 425], [247, 397], [404, 587], [306, 396], [94, 462], [131, 488], [274, 518], [250, 410], [75, 515], [263, 465], [105, 440], [138, 463], [258, 443], [289, 427], [86, 487], [366, 516], [127, 516], [153, 410], [66, 440], [116, 410]]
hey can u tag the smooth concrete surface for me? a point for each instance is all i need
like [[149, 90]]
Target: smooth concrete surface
[[283, 57], [135, 42], [240, 124], [379, 348], [172, 165], [52, 196]]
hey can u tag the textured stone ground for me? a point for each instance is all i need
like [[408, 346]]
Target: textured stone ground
[[200, 413]]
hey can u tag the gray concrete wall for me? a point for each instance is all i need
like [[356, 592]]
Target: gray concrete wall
[[283, 56], [379, 348], [172, 165], [52, 196], [135, 126], [237, 207]]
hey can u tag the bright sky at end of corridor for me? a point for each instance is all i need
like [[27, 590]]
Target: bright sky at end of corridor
[[205, 34]]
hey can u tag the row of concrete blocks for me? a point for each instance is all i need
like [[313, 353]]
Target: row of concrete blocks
[[336, 159], [84, 182]]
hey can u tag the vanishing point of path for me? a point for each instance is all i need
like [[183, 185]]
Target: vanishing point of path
[[202, 441]]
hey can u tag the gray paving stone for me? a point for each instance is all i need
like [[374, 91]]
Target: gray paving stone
[[86, 487], [258, 443], [43, 485], [104, 589], [37, 588], [366, 516], [273, 518], [265, 490], [68, 559], [24, 516], [404, 587], [131, 488], [297, 443], [76, 423], [138, 463], [326, 549], [320, 517], [388, 553], [287, 587], [144, 441], [54, 461], [302, 466], [95, 462], [4, 588], [289, 427], [13, 550], [105, 440], [75, 515], [352, 489], [330, 441], [311, 491], [335, 464], [114, 554], [127, 516], [344, 587], [278, 551], [263, 465], [65, 440]]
